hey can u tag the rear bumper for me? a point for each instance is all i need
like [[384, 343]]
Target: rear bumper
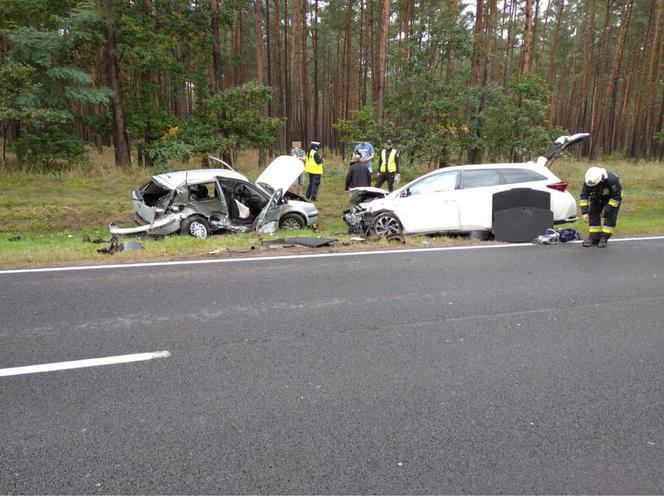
[[162, 226]]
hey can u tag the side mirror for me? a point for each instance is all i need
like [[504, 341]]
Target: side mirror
[[405, 192]]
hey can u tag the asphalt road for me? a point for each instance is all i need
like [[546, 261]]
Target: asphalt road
[[512, 370]]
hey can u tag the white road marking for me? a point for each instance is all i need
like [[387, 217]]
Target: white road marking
[[79, 364], [295, 257]]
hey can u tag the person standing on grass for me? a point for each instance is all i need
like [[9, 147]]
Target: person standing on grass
[[314, 167], [358, 174], [300, 154], [388, 166], [367, 154], [601, 197]]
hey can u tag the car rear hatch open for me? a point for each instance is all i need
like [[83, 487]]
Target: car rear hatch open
[[561, 143], [151, 199]]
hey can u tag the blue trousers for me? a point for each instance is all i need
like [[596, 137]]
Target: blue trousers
[[312, 187]]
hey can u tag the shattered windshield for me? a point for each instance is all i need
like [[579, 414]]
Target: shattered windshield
[[266, 187]]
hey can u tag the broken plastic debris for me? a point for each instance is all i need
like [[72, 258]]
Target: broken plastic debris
[[268, 228]]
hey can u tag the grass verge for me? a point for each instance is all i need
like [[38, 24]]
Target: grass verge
[[46, 216]]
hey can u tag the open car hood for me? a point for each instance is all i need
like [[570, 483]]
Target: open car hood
[[366, 193], [561, 143], [281, 173]]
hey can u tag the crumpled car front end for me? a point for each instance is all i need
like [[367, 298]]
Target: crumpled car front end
[[364, 202], [358, 219]]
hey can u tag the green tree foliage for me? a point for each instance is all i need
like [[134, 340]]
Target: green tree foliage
[[40, 90], [232, 120]]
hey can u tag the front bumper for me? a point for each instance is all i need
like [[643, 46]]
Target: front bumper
[[358, 220]]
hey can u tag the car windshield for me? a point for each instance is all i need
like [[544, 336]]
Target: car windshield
[[266, 187]]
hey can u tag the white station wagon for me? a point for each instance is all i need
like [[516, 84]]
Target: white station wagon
[[459, 199]]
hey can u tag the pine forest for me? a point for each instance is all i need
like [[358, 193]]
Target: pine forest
[[449, 81]]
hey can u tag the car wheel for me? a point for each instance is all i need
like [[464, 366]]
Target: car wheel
[[291, 222], [386, 224], [479, 235], [195, 226]]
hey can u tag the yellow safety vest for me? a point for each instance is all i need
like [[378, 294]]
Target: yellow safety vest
[[311, 166], [391, 161]]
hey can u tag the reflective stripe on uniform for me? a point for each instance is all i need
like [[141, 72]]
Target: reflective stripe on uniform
[[583, 203], [310, 166], [595, 229], [613, 203], [607, 229]]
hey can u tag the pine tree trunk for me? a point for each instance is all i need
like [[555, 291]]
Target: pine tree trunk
[[654, 74], [216, 47], [121, 140], [612, 87], [317, 129], [527, 48], [382, 59], [304, 83], [478, 48]]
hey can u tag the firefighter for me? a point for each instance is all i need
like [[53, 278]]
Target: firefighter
[[388, 168], [600, 199], [313, 166]]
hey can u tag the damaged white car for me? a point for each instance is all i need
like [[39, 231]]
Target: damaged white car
[[461, 199], [204, 201]]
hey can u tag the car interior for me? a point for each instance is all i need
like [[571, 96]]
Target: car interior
[[244, 202], [205, 199], [154, 195]]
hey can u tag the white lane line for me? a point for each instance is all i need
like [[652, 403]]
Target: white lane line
[[295, 257], [79, 364]]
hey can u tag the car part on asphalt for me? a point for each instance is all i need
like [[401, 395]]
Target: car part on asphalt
[[307, 242], [551, 237]]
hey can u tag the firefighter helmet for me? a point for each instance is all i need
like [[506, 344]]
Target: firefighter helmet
[[595, 175]]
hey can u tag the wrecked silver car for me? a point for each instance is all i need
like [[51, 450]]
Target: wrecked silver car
[[204, 201]]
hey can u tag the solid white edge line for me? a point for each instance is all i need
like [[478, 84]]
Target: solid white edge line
[[79, 364], [293, 257]]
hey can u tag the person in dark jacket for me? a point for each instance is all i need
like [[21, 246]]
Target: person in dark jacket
[[358, 174], [601, 197]]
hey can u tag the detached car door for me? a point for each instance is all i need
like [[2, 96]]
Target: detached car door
[[430, 204]]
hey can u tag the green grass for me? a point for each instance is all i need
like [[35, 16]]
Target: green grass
[[50, 214]]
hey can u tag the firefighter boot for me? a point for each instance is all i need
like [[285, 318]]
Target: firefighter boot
[[586, 243], [602, 243]]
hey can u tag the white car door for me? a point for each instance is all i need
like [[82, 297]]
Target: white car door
[[430, 204], [475, 198]]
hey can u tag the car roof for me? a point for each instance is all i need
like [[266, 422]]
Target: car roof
[[175, 179], [518, 165]]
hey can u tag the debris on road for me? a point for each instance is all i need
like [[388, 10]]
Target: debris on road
[[116, 246], [307, 242]]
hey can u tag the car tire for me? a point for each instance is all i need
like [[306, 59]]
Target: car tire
[[291, 222], [386, 224], [195, 226], [479, 235]]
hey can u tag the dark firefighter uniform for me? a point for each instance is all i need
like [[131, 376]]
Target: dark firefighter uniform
[[601, 201]]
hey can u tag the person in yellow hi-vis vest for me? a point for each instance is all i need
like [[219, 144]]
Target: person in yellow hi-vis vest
[[388, 166], [314, 167]]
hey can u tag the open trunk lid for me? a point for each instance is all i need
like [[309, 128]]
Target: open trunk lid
[[561, 143]]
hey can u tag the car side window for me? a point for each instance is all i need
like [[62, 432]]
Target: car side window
[[200, 192], [437, 183], [515, 175], [480, 178]]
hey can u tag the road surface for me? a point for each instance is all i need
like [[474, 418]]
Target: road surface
[[519, 369]]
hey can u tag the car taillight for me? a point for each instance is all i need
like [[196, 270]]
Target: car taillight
[[561, 186]]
